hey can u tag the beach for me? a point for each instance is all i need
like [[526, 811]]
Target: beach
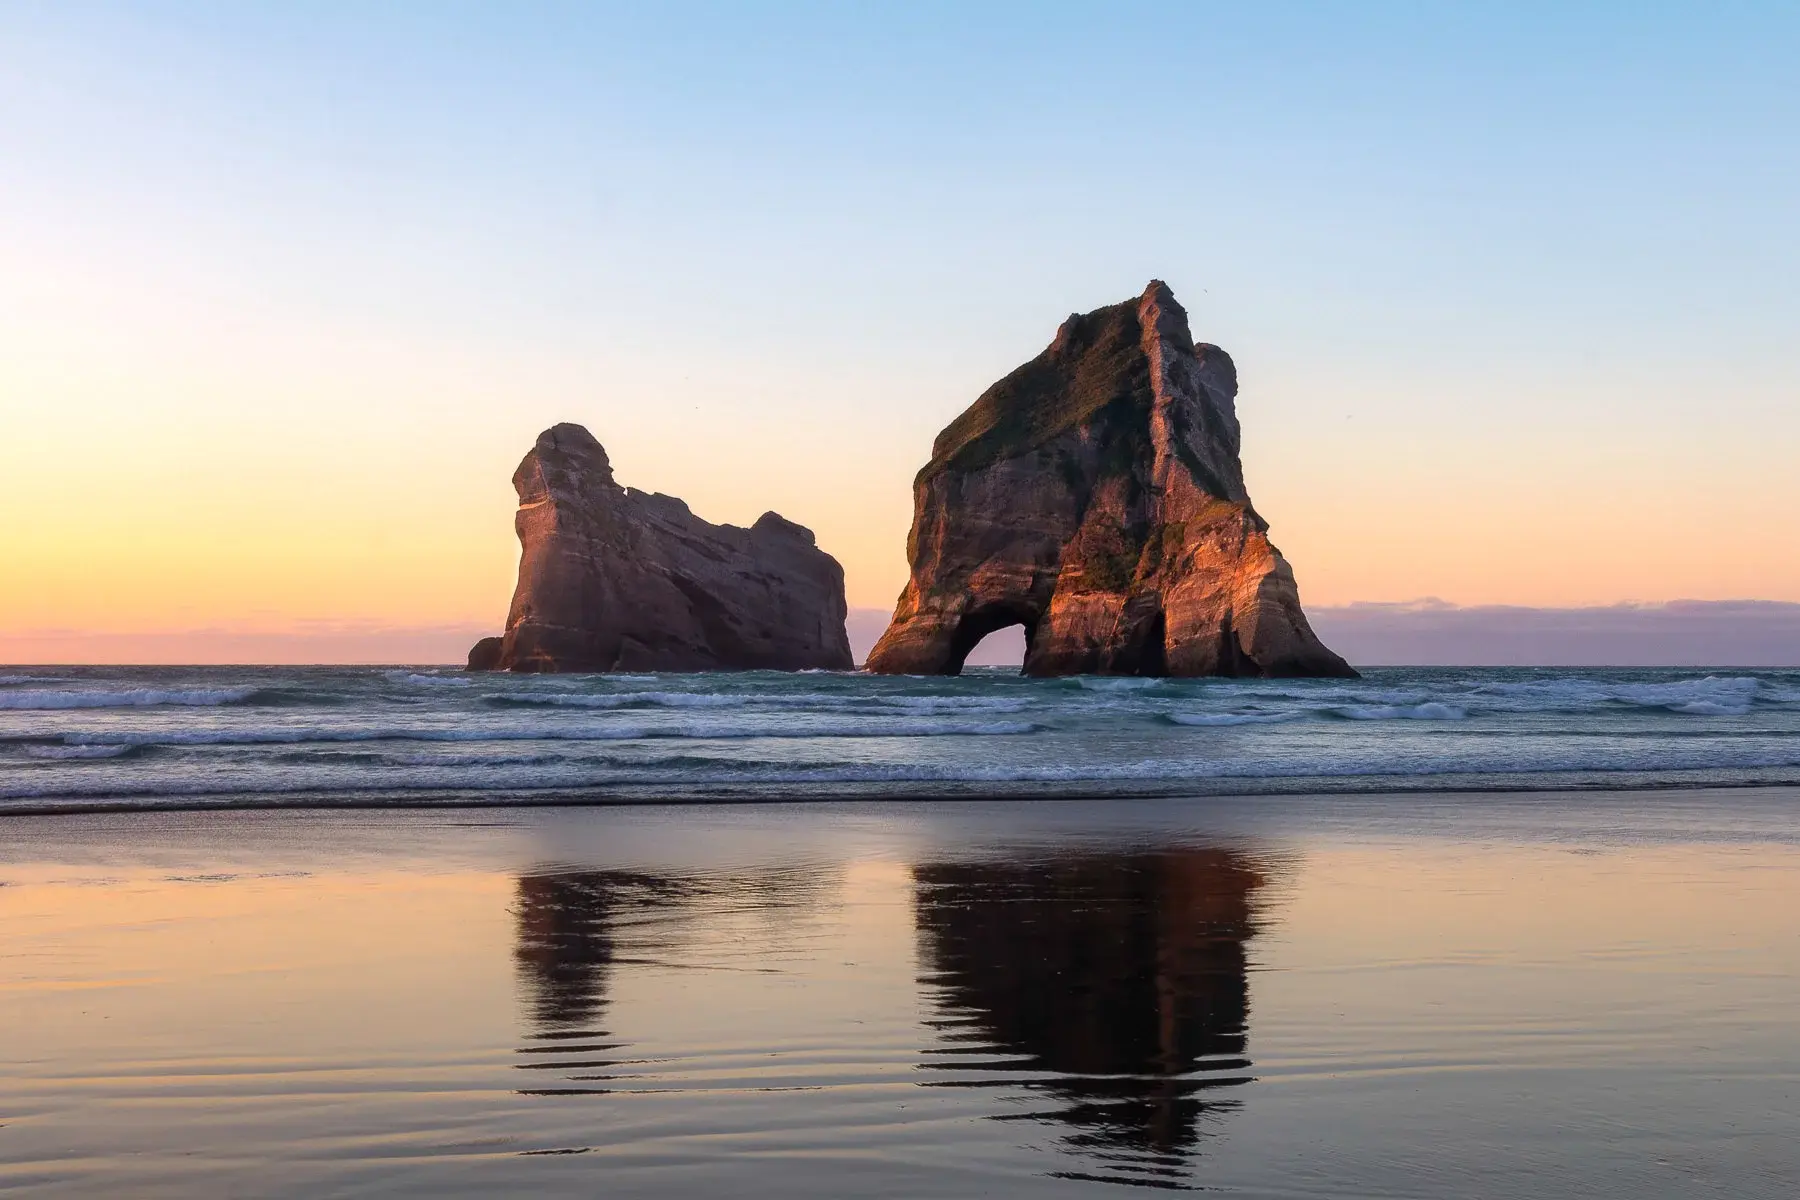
[[1420, 994]]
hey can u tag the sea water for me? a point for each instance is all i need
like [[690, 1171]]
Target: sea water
[[88, 737]]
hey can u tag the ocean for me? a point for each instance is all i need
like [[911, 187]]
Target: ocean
[[105, 738]]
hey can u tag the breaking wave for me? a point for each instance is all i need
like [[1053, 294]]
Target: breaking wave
[[924, 705], [1181, 718], [938, 704], [428, 680], [1115, 683], [1711, 695], [77, 752], [1458, 699], [621, 699], [232, 733], [474, 760], [1431, 710], [44, 701], [293, 735]]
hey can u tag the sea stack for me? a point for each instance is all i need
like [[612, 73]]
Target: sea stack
[[1095, 497], [614, 579]]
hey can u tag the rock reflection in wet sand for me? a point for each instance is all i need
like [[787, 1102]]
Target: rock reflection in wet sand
[[567, 948], [574, 929], [1451, 999], [1112, 985]]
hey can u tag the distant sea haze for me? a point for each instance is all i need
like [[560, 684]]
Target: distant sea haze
[[1430, 633], [1682, 633]]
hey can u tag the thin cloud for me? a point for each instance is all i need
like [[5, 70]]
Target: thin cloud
[[1427, 632], [1680, 633], [1433, 632]]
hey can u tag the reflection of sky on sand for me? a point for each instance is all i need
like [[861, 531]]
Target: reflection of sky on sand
[[823, 1002]]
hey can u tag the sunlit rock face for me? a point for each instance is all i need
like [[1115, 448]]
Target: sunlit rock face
[[614, 579], [1095, 497]]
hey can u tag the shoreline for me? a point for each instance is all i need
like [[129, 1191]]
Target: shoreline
[[789, 794]]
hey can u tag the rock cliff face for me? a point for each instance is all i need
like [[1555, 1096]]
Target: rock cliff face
[[1095, 497], [614, 579]]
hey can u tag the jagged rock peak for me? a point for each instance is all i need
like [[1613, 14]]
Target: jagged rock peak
[[615, 579], [566, 457], [1095, 496]]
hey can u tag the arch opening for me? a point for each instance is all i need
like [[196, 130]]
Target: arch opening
[[1004, 647], [986, 638]]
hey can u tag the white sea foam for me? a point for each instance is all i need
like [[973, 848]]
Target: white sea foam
[[1115, 683], [937, 704], [475, 760], [1710, 708], [1429, 711], [428, 680], [830, 701], [1315, 695], [60, 752], [871, 727], [133, 698], [622, 699], [1702, 696], [1233, 718], [1711, 695]]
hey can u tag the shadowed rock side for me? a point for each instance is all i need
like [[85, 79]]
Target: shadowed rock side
[[1095, 497], [614, 579]]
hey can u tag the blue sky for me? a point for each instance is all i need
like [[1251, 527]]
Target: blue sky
[[1520, 277]]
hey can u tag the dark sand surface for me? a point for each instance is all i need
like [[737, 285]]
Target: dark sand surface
[[1543, 994]]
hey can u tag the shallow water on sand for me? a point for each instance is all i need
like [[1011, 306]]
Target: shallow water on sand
[[1548, 994]]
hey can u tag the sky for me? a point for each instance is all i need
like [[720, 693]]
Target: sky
[[287, 290]]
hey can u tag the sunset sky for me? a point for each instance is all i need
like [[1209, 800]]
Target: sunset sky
[[287, 290]]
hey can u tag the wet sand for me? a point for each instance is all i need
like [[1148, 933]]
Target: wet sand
[[1583, 995]]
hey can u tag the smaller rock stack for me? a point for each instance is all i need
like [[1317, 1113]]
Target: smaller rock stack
[[614, 579]]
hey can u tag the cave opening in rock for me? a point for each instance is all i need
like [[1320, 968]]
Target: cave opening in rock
[[1005, 647], [998, 637]]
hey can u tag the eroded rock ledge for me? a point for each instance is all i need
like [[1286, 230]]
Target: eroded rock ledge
[[1095, 497], [614, 579]]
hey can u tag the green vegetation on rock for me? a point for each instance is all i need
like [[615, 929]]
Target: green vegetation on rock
[[1096, 361]]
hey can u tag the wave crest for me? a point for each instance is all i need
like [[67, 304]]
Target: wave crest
[[77, 752], [414, 677], [1207, 719], [46, 701]]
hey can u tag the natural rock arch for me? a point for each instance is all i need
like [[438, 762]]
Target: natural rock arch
[[973, 627], [1095, 496]]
